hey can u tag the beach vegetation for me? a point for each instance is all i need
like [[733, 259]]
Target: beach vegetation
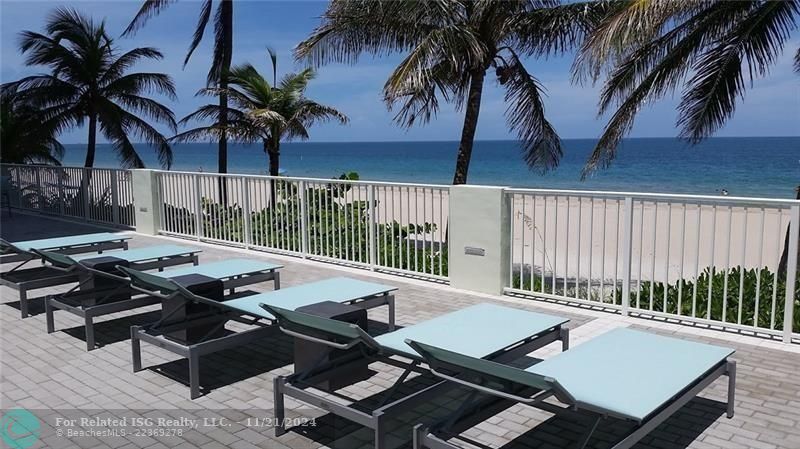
[[714, 295], [220, 62], [449, 48], [90, 81], [337, 227]]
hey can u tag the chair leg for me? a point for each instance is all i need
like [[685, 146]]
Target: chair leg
[[380, 432], [731, 387], [89, 326], [280, 425], [23, 302], [194, 375], [136, 349], [49, 316]]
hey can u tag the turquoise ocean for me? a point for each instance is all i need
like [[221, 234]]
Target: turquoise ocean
[[749, 166]]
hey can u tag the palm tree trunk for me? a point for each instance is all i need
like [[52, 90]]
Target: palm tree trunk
[[470, 125], [273, 161], [91, 146], [784, 262], [226, 10]]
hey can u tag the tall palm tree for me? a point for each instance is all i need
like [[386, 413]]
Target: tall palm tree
[[220, 65], [89, 81], [269, 113], [25, 136], [706, 50], [450, 46]]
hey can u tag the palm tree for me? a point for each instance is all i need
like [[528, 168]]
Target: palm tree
[[25, 137], [451, 45], [220, 65], [89, 82], [269, 113], [706, 50]]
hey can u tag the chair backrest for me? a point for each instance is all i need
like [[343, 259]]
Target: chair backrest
[[317, 327], [149, 282], [485, 374], [7, 247], [57, 259]]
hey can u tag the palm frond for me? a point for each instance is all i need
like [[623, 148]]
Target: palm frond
[[199, 30], [352, 27], [719, 81], [541, 146], [149, 9], [127, 60]]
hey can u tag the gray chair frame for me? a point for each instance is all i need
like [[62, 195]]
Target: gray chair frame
[[92, 303], [298, 385], [437, 435], [263, 327], [26, 279]]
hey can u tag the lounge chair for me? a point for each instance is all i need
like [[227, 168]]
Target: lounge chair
[[483, 331], [101, 289], [245, 310], [23, 279], [625, 374]]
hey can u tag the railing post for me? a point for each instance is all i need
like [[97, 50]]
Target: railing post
[[480, 218], [114, 198], [85, 192], [146, 200], [62, 199], [373, 254], [246, 211], [198, 217], [39, 196], [301, 194], [627, 242], [791, 273]]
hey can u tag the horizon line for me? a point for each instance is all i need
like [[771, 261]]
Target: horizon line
[[452, 140]]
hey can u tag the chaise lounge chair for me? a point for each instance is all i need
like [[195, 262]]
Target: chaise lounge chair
[[101, 288], [483, 331], [25, 279], [365, 295], [609, 376]]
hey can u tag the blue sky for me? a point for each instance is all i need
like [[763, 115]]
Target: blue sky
[[771, 107]]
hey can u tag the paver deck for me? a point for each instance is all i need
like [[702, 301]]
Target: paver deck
[[53, 376]]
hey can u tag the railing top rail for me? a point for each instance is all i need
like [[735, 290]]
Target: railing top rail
[[307, 179], [659, 196], [72, 167]]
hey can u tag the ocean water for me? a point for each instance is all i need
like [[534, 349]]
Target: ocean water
[[753, 166]]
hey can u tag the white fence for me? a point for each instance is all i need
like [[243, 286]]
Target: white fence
[[96, 194], [710, 260], [387, 226]]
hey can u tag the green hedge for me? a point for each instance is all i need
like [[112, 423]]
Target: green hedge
[[722, 306]]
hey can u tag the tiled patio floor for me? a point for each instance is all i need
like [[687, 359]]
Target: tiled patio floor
[[54, 377]]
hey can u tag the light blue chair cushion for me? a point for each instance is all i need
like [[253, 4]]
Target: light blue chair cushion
[[478, 331], [72, 240], [631, 373], [340, 289], [143, 254], [223, 269]]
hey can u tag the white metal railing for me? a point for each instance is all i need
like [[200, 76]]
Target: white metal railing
[[711, 260], [94, 194], [388, 226]]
